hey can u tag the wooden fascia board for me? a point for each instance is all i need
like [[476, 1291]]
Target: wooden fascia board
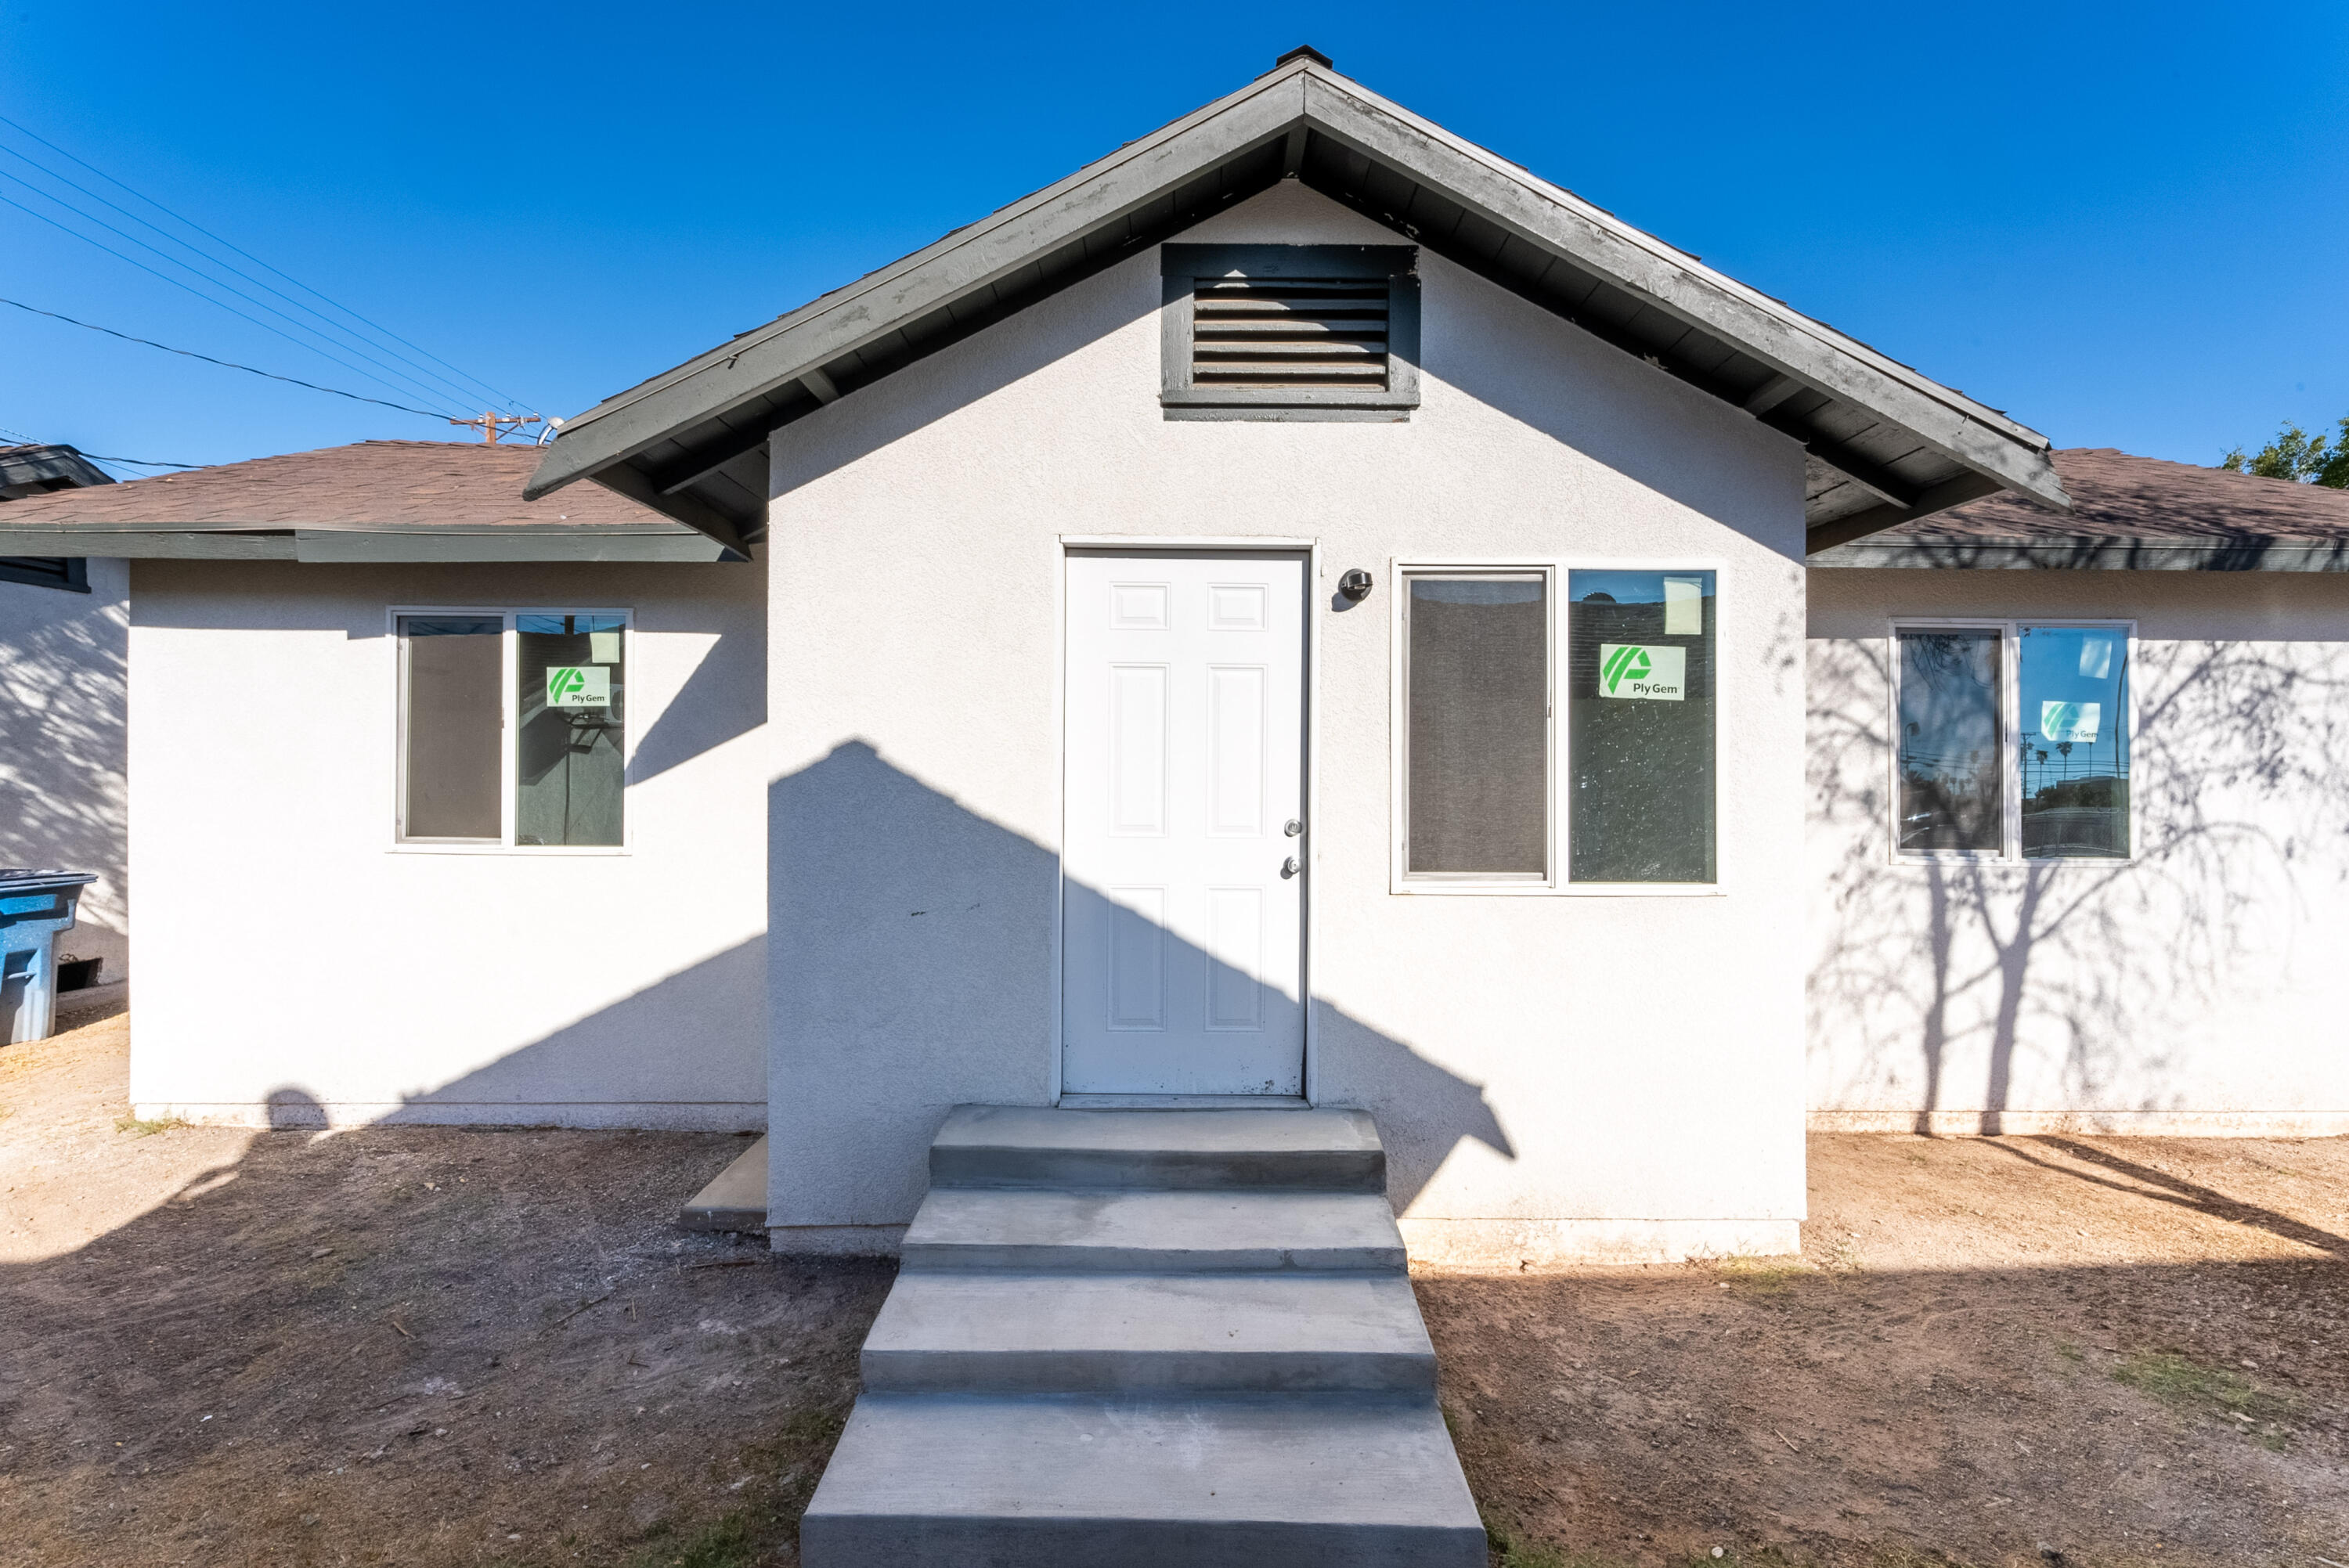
[[152, 544], [1966, 486], [1549, 220], [364, 544], [622, 478], [2068, 552], [961, 264]]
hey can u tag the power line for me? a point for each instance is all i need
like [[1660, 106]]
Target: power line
[[22, 439], [139, 462], [226, 364], [508, 398], [309, 348], [360, 347], [359, 344]]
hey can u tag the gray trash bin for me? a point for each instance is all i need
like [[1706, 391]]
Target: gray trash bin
[[34, 907]]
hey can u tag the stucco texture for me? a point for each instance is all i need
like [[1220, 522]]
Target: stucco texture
[[1552, 1075], [2198, 988], [299, 969], [63, 795]]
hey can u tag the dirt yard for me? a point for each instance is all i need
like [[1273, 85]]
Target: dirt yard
[[427, 1347]]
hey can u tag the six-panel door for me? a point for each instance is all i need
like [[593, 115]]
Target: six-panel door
[[1184, 882]]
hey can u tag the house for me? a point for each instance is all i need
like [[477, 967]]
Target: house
[[349, 793], [1300, 611], [2076, 851], [63, 622]]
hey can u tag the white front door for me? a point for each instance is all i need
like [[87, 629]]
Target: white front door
[[1184, 883]]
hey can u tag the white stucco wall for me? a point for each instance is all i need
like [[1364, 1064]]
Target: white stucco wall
[[1554, 1076], [2199, 988], [295, 966], [62, 799]]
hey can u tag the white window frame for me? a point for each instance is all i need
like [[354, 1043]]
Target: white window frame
[[2010, 736], [509, 758], [1555, 570]]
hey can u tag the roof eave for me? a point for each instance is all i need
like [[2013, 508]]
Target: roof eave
[[1985, 450]]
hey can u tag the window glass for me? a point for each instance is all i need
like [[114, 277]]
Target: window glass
[[1950, 767], [451, 719], [568, 732], [1639, 727], [1476, 674], [2072, 736]]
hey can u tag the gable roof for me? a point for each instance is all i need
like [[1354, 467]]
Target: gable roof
[[39, 466], [1885, 443], [375, 500], [2129, 513]]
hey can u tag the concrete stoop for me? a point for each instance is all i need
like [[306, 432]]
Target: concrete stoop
[[1148, 1337]]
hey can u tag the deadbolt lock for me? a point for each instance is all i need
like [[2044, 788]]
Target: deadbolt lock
[[1294, 828]]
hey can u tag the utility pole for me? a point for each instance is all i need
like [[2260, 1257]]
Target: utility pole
[[493, 422]]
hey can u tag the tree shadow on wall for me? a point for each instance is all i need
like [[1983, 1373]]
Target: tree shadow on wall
[[63, 722], [2240, 759], [911, 962]]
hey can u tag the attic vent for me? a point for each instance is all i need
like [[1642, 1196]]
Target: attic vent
[[71, 572], [1291, 332]]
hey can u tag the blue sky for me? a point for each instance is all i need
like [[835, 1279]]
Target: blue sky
[[2126, 225]]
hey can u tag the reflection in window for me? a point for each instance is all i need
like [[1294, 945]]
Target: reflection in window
[[568, 739], [1639, 717], [2072, 734], [1949, 760], [1476, 679]]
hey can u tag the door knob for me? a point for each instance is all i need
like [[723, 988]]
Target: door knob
[[1288, 868]]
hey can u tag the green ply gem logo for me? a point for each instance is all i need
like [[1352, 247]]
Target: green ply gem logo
[[578, 685], [1642, 674], [1625, 663]]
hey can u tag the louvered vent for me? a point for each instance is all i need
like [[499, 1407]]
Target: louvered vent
[[1287, 332]]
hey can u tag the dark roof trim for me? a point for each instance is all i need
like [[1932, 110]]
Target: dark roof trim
[[2061, 553], [346, 545], [1792, 346], [1893, 444]]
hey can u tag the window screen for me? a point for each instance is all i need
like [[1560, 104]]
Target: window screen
[[1477, 675], [568, 734], [1948, 741], [451, 719], [1639, 727], [2073, 732]]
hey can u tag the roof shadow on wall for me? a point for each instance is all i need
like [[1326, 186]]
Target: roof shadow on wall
[[915, 936], [723, 699]]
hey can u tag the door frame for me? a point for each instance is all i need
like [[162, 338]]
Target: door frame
[[1243, 544]]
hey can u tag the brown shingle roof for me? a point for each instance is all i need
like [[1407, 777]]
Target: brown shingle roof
[[2127, 512], [376, 486]]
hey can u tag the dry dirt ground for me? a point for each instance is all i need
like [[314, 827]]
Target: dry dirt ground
[[420, 1345]]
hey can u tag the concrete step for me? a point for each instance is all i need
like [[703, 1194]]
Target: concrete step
[[984, 1332], [1152, 1232], [1304, 1481], [736, 1199], [1035, 1146]]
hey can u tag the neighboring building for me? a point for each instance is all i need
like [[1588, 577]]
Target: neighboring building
[[64, 620], [380, 878], [2088, 871]]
